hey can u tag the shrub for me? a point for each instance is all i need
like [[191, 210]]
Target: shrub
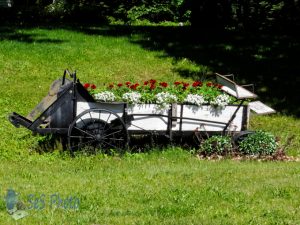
[[158, 11], [260, 142], [56, 9], [216, 145]]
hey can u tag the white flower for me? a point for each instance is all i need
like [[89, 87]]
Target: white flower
[[132, 97], [221, 101], [105, 96], [195, 99], [164, 98]]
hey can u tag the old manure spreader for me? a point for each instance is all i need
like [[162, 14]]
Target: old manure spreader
[[69, 110]]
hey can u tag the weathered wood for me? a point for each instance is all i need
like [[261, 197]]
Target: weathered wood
[[233, 89], [260, 108]]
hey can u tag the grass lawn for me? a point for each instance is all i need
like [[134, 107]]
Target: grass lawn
[[171, 187]]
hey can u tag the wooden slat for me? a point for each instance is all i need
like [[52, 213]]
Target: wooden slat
[[233, 89], [260, 108]]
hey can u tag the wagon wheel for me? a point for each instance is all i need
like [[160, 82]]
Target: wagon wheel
[[97, 130]]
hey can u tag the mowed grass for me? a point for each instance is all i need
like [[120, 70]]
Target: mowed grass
[[161, 187]]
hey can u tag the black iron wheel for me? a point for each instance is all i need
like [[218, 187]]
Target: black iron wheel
[[97, 130]]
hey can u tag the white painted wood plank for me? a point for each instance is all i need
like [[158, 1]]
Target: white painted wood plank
[[212, 114], [148, 122], [159, 123], [260, 108], [233, 89]]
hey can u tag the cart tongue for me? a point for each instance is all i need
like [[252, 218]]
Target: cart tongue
[[48, 100]]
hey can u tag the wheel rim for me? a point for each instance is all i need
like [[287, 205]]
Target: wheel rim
[[97, 130]]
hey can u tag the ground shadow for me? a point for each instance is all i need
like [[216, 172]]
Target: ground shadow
[[270, 61], [12, 34]]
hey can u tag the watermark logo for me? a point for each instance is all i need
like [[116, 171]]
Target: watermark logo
[[41, 201], [18, 209], [14, 207]]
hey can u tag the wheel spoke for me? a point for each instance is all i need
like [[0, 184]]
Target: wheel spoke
[[110, 145], [92, 118], [82, 121], [118, 131], [82, 131], [106, 121], [81, 137], [114, 139]]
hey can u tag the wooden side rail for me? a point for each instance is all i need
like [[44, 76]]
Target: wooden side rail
[[230, 87], [233, 89]]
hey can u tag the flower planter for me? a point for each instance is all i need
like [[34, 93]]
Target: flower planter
[[151, 117], [71, 111]]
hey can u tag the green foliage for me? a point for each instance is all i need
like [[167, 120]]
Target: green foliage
[[56, 9], [217, 144], [158, 11], [251, 15], [155, 13], [260, 142]]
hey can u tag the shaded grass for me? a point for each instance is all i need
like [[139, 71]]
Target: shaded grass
[[163, 187]]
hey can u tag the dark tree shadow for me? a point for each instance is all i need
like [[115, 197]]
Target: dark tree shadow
[[270, 61], [12, 34]]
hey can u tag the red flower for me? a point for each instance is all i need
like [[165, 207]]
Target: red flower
[[86, 85], [146, 82], [93, 86], [186, 85], [134, 86], [197, 84], [120, 84], [152, 87], [128, 83], [152, 81], [209, 84], [218, 86], [177, 83], [163, 84]]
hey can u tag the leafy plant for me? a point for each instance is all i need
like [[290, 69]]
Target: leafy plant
[[216, 145], [158, 10], [57, 8], [260, 142]]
